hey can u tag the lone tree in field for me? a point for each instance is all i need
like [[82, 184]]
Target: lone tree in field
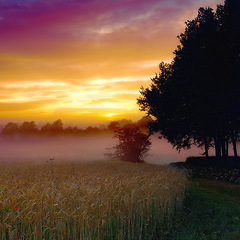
[[132, 145], [196, 98]]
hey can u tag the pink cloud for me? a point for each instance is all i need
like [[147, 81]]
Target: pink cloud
[[38, 25], [47, 19], [79, 41]]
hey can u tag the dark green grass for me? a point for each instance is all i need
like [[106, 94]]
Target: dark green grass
[[211, 212]]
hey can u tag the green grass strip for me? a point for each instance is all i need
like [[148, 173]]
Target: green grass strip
[[211, 211]]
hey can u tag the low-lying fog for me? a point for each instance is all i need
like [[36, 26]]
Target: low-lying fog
[[85, 148]]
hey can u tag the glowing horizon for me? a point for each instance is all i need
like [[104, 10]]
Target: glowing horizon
[[84, 60]]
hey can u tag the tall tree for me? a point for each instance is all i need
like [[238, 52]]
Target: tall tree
[[195, 99], [229, 21]]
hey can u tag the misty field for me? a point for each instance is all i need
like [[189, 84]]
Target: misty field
[[95, 200]]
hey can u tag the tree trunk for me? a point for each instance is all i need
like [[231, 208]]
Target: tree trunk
[[226, 146], [234, 142], [206, 147], [223, 146], [217, 147]]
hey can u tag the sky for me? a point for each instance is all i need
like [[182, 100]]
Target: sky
[[84, 61]]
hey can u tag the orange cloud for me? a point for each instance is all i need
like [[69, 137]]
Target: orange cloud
[[84, 59]]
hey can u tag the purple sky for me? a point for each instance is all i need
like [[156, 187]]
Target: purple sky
[[85, 60]]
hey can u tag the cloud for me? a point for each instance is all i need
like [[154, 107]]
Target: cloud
[[24, 106], [32, 85], [85, 54], [36, 23]]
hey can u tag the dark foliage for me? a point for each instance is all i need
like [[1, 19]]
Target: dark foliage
[[54, 128], [228, 162], [132, 145], [28, 128], [196, 98], [113, 126], [218, 172], [10, 129]]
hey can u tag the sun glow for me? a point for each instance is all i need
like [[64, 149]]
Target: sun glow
[[110, 116], [69, 60]]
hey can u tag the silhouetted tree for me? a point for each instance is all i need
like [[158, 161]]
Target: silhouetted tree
[[57, 127], [72, 130], [132, 144], [53, 129], [10, 128], [196, 98], [113, 126], [229, 20], [91, 130], [125, 122], [46, 129], [143, 122], [28, 128], [160, 101]]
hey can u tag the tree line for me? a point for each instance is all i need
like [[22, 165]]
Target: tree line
[[57, 128], [195, 99]]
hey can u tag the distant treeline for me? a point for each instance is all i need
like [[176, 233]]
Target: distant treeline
[[56, 128]]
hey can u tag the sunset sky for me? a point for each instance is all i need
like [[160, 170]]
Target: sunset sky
[[84, 60]]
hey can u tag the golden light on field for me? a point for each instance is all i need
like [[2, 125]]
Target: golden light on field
[[84, 60], [94, 200]]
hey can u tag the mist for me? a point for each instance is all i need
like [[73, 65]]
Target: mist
[[82, 148]]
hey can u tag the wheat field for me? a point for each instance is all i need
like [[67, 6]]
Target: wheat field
[[95, 200]]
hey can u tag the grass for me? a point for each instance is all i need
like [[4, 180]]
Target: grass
[[211, 211], [101, 200]]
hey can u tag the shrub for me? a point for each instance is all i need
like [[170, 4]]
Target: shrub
[[133, 144]]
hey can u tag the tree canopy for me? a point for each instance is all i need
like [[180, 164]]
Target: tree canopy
[[195, 99], [132, 145]]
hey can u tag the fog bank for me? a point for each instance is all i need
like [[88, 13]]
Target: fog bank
[[84, 148]]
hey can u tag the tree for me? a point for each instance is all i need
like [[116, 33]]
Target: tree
[[132, 144], [10, 128], [143, 122], [46, 129], [229, 19], [72, 130], [196, 98], [91, 130], [28, 128], [57, 127], [54, 128], [113, 126]]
